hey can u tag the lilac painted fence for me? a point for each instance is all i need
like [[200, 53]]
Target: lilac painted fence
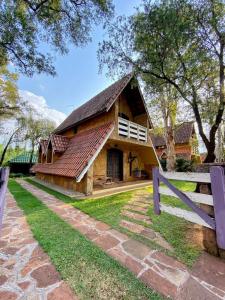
[[4, 175], [199, 216]]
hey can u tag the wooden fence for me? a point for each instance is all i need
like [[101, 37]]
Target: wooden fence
[[197, 215], [4, 175]]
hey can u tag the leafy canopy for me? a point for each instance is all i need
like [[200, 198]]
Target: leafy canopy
[[27, 26]]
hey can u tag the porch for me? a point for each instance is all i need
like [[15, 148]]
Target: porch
[[119, 187]]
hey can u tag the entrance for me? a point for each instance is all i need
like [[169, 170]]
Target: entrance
[[115, 164]]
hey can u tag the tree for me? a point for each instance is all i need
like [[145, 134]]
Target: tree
[[10, 102], [164, 101], [35, 130], [27, 25], [179, 43], [14, 135]]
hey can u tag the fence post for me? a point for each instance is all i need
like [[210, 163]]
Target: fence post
[[156, 194], [3, 187], [218, 192]]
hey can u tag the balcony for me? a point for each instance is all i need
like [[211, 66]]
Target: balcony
[[132, 130]]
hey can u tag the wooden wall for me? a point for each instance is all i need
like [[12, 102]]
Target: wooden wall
[[145, 160], [65, 182]]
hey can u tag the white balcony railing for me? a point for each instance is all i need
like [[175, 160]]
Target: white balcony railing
[[132, 130]]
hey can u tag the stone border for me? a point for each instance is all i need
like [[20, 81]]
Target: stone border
[[26, 271]]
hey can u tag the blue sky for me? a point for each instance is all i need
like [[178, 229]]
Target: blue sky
[[77, 77]]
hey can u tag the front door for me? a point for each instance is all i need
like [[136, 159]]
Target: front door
[[115, 164]]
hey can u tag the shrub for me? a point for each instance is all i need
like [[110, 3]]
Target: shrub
[[184, 165], [163, 164]]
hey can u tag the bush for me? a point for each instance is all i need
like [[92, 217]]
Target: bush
[[163, 164], [16, 175], [184, 165]]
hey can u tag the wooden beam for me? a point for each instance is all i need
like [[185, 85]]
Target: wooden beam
[[185, 214], [195, 197], [183, 176]]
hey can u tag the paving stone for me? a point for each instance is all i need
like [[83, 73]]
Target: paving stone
[[92, 234], [133, 227], [24, 285], [159, 283], [120, 236], [127, 261], [7, 295], [102, 226], [148, 233], [3, 279], [167, 260], [193, 290], [10, 250], [63, 292], [136, 216], [45, 276], [136, 249], [211, 270], [106, 241]]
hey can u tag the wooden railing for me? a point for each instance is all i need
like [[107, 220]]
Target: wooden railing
[[4, 175], [197, 215], [132, 130]]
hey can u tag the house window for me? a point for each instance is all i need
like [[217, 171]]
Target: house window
[[122, 115], [75, 130], [49, 153]]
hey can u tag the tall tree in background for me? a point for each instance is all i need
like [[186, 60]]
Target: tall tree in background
[[179, 43], [35, 129], [164, 102], [26, 24]]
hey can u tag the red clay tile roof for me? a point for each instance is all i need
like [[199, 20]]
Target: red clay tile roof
[[81, 148], [59, 142], [182, 135], [97, 105]]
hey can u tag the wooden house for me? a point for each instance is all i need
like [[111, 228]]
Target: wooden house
[[104, 141], [186, 142]]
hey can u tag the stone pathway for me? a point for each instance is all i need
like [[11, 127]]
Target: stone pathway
[[26, 272], [136, 210], [157, 270]]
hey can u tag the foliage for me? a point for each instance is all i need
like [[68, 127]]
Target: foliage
[[184, 165], [90, 272], [163, 164], [11, 152], [179, 43], [9, 98], [28, 25]]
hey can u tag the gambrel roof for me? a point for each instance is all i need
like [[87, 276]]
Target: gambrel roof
[[101, 103]]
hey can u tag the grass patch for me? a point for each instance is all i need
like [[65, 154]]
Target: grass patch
[[108, 210], [90, 272]]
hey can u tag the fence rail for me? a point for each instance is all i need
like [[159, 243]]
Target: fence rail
[[216, 178], [132, 130], [4, 175]]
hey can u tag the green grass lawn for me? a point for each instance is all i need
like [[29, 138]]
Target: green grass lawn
[[108, 210], [90, 272]]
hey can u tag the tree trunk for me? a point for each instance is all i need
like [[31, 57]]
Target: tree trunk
[[170, 145], [6, 147]]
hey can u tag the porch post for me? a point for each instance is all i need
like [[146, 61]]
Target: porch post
[[89, 181], [156, 194]]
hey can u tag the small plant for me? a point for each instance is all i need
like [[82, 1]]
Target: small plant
[[184, 165]]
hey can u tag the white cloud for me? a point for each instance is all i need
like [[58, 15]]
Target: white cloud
[[40, 105]]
